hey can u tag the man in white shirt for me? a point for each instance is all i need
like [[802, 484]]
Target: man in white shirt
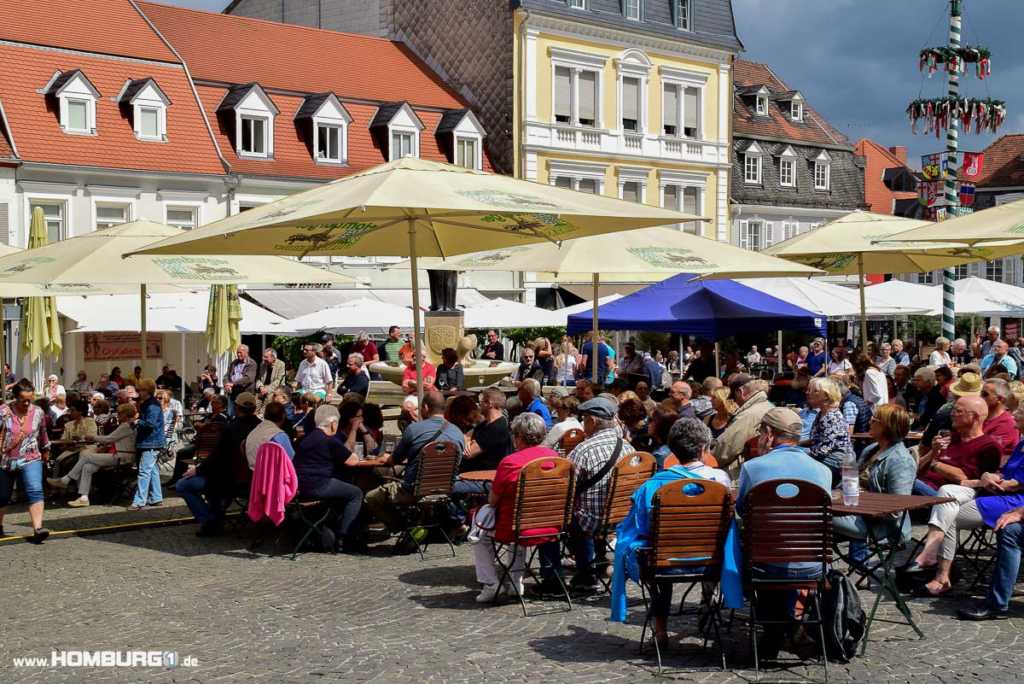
[[313, 374], [753, 356]]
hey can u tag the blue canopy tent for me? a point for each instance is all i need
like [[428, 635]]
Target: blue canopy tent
[[711, 309]]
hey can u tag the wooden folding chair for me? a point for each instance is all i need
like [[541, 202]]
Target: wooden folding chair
[[542, 513], [631, 471], [689, 523], [436, 472], [787, 521], [570, 440]]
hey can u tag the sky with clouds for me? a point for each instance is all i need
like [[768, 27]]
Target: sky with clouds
[[856, 60]]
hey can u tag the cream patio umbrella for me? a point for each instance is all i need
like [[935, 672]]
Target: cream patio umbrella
[[223, 334], [649, 255], [415, 208], [40, 326], [93, 263], [859, 243], [998, 224]]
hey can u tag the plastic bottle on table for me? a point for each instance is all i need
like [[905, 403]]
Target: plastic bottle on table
[[851, 480]]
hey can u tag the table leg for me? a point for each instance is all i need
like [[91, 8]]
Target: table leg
[[887, 585]]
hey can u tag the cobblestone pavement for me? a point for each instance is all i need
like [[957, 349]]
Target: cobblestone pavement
[[250, 617]]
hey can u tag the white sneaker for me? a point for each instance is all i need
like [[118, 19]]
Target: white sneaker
[[80, 502], [488, 593]]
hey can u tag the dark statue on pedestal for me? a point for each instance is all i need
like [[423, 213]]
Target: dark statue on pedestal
[[443, 286]]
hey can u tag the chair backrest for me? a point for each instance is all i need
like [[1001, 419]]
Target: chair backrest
[[207, 438], [570, 440], [787, 521], [544, 495], [436, 469], [631, 471], [689, 524]]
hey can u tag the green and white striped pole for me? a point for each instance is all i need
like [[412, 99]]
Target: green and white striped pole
[[950, 176]]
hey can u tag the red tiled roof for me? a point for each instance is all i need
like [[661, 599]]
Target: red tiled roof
[[292, 158], [877, 158], [233, 49], [1004, 162], [813, 130], [35, 125], [110, 27]]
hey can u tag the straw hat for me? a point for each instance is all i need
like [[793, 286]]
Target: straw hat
[[969, 385]]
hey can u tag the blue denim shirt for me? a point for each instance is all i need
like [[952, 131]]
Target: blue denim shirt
[[149, 429]]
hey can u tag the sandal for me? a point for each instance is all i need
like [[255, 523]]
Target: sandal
[[924, 592]]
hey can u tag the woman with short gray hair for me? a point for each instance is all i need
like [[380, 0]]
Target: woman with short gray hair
[[690, 442], [495, 520]]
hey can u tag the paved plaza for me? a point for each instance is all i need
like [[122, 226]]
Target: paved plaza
[[247, 617]]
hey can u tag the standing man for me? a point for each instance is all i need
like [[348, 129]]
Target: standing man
[[631, 363], [817, 360], [587, 353], [241, 375], [494, 350], [313, 374], [391, 350], [270, 375], [331, 354]]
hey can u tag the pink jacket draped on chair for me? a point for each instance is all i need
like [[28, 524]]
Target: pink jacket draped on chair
[[274, 484]]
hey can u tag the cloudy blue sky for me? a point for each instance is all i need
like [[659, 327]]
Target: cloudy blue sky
[[856, 60]]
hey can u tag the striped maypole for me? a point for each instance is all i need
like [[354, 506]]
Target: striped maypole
[[952, 198]]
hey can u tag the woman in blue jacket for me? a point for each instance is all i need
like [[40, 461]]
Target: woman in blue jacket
[[149, 440]]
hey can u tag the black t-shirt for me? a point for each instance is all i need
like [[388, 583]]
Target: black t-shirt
[[497, 348], [356, 382], [495, 440], [318, 459]]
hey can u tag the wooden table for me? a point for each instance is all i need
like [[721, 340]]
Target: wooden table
[[879, 507], [478, 475], [911, 436]]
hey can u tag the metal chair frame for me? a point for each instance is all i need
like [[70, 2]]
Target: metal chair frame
[[630, 471], [436, 472]]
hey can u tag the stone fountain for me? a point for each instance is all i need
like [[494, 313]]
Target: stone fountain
[[443, 327]]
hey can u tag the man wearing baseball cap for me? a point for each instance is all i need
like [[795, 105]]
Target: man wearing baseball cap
[[778, 436], [752, 398], [593, 460]]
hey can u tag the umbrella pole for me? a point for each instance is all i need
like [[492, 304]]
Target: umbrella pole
[[142, 327], [778, 352], [718, 363], [595, 280], [183, 337], [416, 313], [863, 308]]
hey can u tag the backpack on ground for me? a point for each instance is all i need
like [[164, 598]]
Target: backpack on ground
[[844, 617]]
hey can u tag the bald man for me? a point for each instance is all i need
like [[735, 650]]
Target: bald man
[[967, 457]]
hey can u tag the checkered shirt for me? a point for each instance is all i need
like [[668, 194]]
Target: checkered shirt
[[588, 458]]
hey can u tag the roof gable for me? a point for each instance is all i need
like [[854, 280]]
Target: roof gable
[[70, 82], [142, 90], [324, 106], [460, 121], [396, 114], [248, 97]]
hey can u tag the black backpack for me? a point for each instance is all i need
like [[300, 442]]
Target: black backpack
[[844, 617], [1015, 354]]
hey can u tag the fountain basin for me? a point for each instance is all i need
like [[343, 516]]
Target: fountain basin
[[478, 373]]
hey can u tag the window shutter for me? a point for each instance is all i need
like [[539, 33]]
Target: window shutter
[[691, 108], [671, 197], [588, 95], [670, 105], [690, 200], [744, 236], [769, 229], [5, 225], [631, 99], [563, 87]]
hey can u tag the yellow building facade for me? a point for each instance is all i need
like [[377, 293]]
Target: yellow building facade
[[626, 114]]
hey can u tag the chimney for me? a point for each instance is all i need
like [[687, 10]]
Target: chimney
[[900, 152]]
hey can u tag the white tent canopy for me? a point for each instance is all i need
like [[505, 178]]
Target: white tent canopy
[[359, 315], [983, 297], [295, 303], [927, 298], [504, 313], [588, 305], [173, 313], [830, 300]]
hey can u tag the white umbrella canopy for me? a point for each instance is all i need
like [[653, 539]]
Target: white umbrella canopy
[[926, 298], [504, 313], [171, 313], [360, 315], [1001, 223], [828, 299], [984, 297]]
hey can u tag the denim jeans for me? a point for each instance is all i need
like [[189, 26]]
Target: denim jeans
[[777, 606], [922, 488], [581, 546], [345, 501], [1004, 577], [31, 482], [191, 490], [148, 489]]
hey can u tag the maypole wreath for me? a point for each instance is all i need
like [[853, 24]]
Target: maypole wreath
[[954, 60], [985, 116]]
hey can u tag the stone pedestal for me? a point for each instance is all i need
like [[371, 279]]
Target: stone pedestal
[[441, 329]]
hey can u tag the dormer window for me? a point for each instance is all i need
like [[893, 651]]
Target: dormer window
[[324, 121], [399, 128], [796, 110], [577, 4], [823, 171], [631, 9], [787, 168], [684, 15], [762, 105], [76, 97], [147, 106], [752, 164], [460, 132], [252, 113]]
